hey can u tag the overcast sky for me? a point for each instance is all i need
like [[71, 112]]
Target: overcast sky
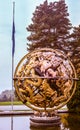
[[23, 15]]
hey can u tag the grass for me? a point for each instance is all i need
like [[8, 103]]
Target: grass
[[10, 103]]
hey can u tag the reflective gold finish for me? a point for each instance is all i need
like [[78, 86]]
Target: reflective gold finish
[[43, 79]]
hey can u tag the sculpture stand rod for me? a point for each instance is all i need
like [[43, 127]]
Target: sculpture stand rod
[[54, 78]]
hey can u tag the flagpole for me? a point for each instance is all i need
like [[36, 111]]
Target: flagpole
[[13, 50]]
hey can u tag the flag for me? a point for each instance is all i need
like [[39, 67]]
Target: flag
[[13, 50], [13, 33]]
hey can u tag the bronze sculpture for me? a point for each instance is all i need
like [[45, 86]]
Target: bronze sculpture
[[44, 80]]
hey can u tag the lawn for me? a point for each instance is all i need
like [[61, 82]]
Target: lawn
[[10, 103]]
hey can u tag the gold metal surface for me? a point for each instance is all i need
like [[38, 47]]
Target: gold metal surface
[[45, 79]]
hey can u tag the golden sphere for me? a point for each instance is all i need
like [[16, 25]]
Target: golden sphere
[[43, 79]]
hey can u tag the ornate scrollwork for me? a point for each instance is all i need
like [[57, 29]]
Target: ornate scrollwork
[[43, 79]]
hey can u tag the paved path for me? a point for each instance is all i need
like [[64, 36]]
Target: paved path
[[15, 107], [20, 110], [19, 107]]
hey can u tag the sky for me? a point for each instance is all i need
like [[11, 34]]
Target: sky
[[23, 13]]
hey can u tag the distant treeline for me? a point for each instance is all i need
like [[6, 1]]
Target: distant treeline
[[8, 95]]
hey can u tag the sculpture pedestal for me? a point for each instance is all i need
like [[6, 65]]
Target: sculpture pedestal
[[36, 121]]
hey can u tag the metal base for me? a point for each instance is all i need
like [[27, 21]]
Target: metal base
[[45, 121]]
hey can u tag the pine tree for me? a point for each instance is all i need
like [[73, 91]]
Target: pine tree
[[74, 103], [75, 48], [50, 26]]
